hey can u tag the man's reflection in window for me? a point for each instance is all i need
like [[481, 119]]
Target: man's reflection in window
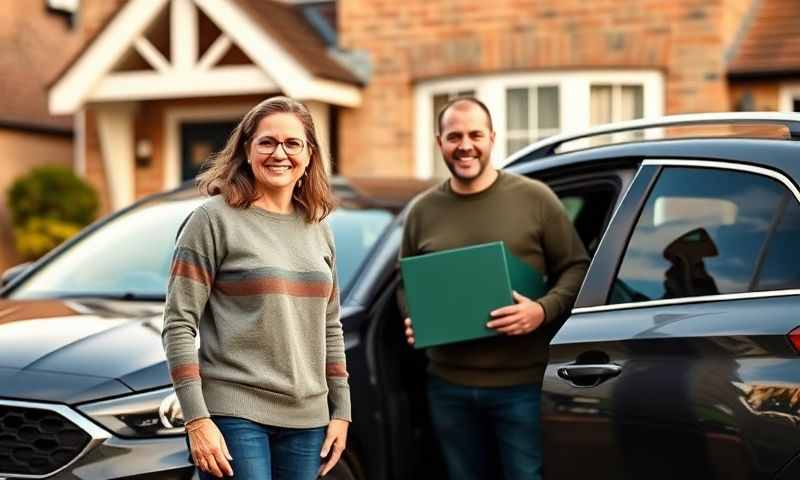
[[687, 276]]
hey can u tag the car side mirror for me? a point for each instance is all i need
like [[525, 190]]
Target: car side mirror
[[13, 273]]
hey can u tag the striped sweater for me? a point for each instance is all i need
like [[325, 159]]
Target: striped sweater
[[260, 290]]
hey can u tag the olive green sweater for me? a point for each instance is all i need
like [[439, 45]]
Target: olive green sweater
[[530, 219], [260, 290]]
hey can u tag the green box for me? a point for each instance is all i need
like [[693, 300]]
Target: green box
[[451, 293]]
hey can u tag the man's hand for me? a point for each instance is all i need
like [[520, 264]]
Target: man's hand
[[409, 332], [335, 442], [521, 318]]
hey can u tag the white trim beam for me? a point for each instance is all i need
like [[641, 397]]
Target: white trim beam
[[151, 54], [321, 113], [115, 129], [183, 34], [788, 93], [215, 52], [79, 147], [292, 78], [229, 80], [336, 93], [69, 94]]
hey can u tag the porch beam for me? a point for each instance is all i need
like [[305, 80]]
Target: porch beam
[[151, 54], [183, 34], [215, 52], [228, 80]]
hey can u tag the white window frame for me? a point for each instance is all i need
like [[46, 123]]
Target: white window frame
[[789, 92], [574, 95], [533, 114]]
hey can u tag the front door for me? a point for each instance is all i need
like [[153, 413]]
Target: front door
[[199, 140]]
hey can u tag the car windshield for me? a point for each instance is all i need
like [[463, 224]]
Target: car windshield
[[129, 257]]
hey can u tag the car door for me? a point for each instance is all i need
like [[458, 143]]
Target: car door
[[676, 363]]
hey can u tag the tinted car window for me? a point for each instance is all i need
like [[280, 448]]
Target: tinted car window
[[700, 233], [779, 263], [130, 256]]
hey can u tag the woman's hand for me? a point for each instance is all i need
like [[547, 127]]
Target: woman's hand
[[335, 441], [209, 451]]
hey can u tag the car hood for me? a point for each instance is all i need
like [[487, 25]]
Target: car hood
[[74, 351]]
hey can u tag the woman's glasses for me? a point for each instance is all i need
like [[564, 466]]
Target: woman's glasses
[[268, 145]]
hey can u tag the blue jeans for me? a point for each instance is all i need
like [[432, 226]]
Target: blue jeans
[[270, 453], [471, 421]]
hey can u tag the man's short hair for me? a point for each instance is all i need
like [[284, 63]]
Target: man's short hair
[[455, 100]]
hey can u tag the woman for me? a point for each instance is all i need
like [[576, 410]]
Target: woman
[[254, 274]]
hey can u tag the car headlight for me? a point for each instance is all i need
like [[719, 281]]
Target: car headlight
[[151, 414]]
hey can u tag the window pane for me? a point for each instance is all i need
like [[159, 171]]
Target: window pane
[[439, 101], [632, 103], [573, 206], [514, 144], [517, 109], [697, 235], [600, 104], [548, 111], [781, 265]]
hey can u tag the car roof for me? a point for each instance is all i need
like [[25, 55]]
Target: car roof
[[391, 193], [756, 143], [783, 155]]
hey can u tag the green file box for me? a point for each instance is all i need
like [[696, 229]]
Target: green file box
[[451, 293]]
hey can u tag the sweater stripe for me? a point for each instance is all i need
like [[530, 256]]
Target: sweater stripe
[[193, 272], [338, 370], [277, 286], [185, 372], [190, 264]]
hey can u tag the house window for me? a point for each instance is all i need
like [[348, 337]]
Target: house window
[[531, 114], [616, 103], [439, 101], [527, 107]]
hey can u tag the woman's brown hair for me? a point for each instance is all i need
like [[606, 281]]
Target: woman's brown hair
[[230, 175]]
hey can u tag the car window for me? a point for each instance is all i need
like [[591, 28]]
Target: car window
[[130, 256], [573, 204], [705, 232], [777, 267], [588, 208]]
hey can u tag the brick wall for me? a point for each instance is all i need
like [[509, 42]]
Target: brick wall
[[757, 95], [23, 151], [420, 39]]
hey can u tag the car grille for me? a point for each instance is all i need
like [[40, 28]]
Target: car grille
[[36, 441]]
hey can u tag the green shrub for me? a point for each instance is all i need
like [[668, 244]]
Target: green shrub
[[49, 205]]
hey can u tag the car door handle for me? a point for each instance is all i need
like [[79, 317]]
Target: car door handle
[[588, 375]]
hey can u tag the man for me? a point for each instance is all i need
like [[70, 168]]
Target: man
[[484, 394]]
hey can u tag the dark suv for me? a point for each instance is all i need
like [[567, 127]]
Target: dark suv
[[677, 361]]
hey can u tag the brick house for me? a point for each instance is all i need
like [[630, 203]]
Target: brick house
[[34, 41], [157, 89]]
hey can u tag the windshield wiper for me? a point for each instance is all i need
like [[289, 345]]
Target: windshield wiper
[[124, 296]]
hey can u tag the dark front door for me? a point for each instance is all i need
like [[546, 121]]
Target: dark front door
[[199, 140]]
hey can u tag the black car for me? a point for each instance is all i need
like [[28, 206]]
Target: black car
[[680, 357], [84, 387], [685, 371]]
